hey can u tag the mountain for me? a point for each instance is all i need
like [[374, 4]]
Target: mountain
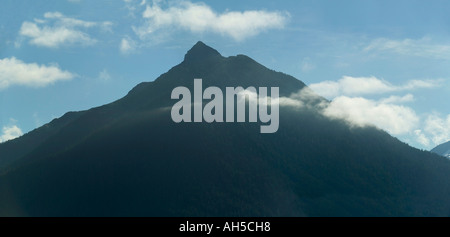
[[128, 158], [443, 149]]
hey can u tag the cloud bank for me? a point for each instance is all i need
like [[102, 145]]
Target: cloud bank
[[396, 119], [16, 72], [388, 112]]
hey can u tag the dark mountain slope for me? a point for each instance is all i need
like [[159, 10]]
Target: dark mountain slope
[[128, 158], [15, 149]]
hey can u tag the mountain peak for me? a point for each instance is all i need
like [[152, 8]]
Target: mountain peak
[[201, 51]]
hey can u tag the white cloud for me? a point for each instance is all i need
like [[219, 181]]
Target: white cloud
[[132, 7], [355, 86], [286, 101], [388, 113], [393, 99], [127, 45], [37, 120], [424, 47], [297, 100], [199, 18], [40, 21], [417, 84], [395, 119], [104, 75], [385, 113], [437, 128], [53, 37], [422, 138], [307, 65], [16, 72], [63, 31], [10, 132]]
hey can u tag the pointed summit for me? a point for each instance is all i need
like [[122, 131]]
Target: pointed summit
[[201, 51]]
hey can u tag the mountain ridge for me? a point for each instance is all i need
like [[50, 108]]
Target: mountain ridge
[[198, 53]]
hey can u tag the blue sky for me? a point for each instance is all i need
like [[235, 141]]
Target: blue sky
[[381, 62]]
